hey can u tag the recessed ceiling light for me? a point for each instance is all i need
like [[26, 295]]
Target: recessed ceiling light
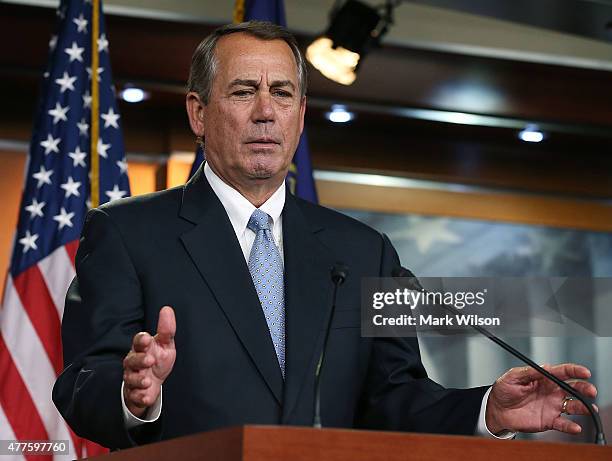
[[133, 94], [339, 114], [531, 134]]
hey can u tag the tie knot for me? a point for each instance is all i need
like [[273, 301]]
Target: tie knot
[[259, 221]]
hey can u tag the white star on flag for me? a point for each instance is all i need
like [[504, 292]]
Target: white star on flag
[[110, 118], [74, 52], [71, 187], [99, 71], [64, 218], [51, 144], [29, 241], [35, 208], [81, 23], [83, 127], [78, 157], [59, 113], [122, 165], [102, 43], [43, 176], [66, 82], [102, 148], [87, 96], [115, 193]]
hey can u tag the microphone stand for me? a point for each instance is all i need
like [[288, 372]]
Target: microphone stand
[[338, 275]]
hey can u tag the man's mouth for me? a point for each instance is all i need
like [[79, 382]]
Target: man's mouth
[[263, 141]]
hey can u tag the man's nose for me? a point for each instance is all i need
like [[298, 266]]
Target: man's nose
[[263, 112]]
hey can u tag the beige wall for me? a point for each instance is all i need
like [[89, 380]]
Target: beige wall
[[11, 184]]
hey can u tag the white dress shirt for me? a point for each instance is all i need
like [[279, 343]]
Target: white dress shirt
[[239, 211]]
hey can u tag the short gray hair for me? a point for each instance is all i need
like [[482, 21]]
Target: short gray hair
[[204, 62]]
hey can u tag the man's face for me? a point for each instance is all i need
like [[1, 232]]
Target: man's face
[[253, 120]]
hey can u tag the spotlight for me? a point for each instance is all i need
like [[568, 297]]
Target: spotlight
[[339, 114], [531, 133], [133, 94], [354, 28]]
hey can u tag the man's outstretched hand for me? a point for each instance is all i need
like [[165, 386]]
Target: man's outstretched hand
[[523, 400], [149, 363]]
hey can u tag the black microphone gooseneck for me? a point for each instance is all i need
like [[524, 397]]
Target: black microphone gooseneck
[[413, 283], [338, 275]]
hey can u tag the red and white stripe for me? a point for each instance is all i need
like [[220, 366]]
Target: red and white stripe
[[31, 352]]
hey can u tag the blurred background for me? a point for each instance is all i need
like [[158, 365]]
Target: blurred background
[[477, 134]]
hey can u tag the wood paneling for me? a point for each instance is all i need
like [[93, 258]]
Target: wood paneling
[[178, 169], [276, 443], [11, 185], [517, 208], [494, 158]]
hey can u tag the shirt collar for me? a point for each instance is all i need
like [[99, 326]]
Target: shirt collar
[[238, 208]]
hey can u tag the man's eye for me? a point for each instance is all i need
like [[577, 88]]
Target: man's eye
[[282, 93], [242, 93]]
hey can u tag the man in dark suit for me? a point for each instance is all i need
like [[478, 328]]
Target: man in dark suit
[[236, 347]]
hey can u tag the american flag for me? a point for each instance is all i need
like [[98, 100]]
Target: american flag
[[53, 206]]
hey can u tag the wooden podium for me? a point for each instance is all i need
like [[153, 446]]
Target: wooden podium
[[276, 443]]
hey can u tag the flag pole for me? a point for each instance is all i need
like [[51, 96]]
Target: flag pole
[[238, 11], [95, 105]]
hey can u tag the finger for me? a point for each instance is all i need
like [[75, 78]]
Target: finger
[[566, 371], [140, 398], [575, 407], [524, 375], [136, 381], [584, 387], [563, 371], [138, 361], [166, 326], [565, 425], [142, 341]]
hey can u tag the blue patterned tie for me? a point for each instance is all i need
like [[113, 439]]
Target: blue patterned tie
[[266, 267]]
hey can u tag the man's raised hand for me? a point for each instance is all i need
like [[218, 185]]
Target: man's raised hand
[[523, 400], [149, 363]]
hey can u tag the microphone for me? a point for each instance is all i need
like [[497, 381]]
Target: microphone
[[339, 273], [412, 283]]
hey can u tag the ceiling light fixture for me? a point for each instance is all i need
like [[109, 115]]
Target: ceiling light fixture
[[339, 114], [354, 28], [133, 94], [531, 133]]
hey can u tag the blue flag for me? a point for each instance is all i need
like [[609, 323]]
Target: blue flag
[[199, 159], [299, 178]]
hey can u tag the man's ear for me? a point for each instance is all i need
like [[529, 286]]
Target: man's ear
[[195, 112]]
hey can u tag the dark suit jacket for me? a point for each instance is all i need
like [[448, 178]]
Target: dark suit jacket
[[178, 248]]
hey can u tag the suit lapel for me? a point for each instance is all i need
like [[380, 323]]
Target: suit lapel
[[214, 249], [307, 290]]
